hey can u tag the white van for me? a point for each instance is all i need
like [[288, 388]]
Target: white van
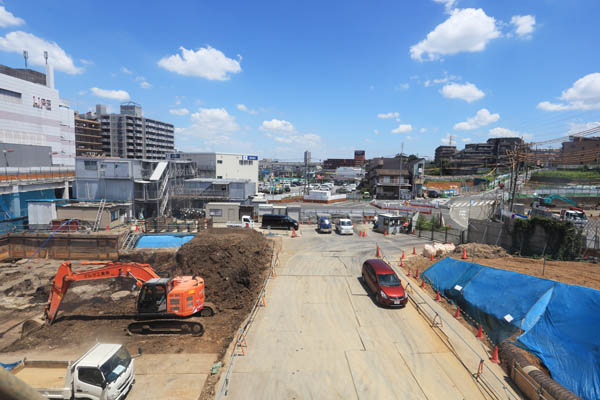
[[344, 227]]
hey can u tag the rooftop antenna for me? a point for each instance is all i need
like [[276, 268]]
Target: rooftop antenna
[[46, 57], [25, 56]]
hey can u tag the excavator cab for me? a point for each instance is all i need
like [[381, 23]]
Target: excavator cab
[[153, 296]]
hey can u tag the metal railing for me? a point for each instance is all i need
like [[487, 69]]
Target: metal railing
[[35, 174]]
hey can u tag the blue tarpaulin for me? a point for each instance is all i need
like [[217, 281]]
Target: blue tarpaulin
[[9, 366], [162, 241], [561, 322]]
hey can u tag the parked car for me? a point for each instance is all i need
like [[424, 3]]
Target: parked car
[[277, 221], [324, 225], [381, 280], [344, 227]]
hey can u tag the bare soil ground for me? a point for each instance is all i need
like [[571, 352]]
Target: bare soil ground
[[233, 263]]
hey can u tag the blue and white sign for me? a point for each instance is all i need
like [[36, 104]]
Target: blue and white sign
[[254, 158]]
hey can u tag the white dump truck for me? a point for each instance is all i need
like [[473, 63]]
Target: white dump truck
[[105, 372]]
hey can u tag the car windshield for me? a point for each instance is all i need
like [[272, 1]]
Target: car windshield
[[116, 365], [388, 280], [325, 221], [345, 223]]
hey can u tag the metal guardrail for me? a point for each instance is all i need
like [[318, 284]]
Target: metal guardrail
[[32, 174]]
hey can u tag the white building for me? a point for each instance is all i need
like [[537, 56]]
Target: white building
[[222, 165], [32, 113], [349, 173]]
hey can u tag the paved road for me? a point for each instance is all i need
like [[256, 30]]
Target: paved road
[[321, 336]]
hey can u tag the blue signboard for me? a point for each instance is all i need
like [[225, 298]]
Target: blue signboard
[[253, 158]]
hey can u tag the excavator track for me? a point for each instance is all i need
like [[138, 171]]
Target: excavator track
[[166, 327]]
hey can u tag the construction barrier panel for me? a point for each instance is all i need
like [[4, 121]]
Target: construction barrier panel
[[560, 322]]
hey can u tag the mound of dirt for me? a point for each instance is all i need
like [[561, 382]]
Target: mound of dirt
[[481, 250], [231, 262]]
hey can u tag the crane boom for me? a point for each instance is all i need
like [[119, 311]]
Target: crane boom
[[65, 275]]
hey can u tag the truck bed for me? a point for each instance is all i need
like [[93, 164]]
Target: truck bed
[[43, 374]]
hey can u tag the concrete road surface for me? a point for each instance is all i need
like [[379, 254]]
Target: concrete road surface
[[321, 336]]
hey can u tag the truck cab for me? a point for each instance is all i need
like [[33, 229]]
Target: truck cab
[[105, 372]]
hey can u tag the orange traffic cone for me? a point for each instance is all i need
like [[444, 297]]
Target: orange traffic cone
[[417, 274], [464, 257], [408, 273], [378, 255], [457, 315], [403, 254], [294, 233], [385, 233], [495, 358], [414, 251], [479, 333], [431, 257], [437, 296], [423, 283], [401, 262]]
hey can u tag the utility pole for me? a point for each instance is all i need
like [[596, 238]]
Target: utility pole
[[401, 177]]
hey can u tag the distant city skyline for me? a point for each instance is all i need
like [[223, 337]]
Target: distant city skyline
[[276, 78]]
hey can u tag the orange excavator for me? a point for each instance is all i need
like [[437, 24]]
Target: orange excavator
[[164, 305]]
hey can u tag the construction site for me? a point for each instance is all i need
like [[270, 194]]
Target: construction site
[[272, 303]]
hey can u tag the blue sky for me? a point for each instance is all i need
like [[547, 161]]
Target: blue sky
[[274, 78]]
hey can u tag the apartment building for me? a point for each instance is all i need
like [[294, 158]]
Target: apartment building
[[88, 136], [131, 135]]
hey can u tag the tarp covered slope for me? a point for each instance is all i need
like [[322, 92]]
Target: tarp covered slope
[[561, 322]]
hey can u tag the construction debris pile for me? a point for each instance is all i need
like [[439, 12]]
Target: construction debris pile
[[479, 250], [231, 261]]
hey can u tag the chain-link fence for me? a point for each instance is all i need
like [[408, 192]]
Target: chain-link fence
[[591, 235]]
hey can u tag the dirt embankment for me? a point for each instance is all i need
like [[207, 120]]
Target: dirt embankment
[[233, 263]]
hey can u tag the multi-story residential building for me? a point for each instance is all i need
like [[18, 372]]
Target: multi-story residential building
[[88, 137], [580, 151], [359, 158], [131, 135], [222, 165], [32, 113], [389, 178], [476, 157], [444, 153]]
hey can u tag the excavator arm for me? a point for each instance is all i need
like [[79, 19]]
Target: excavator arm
[[65, 275]]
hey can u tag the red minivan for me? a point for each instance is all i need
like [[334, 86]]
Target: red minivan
[[383, 282]]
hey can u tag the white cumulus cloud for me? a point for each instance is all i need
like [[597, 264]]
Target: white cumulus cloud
[[466, 140], [388, 115], [403, 128], [583, 95], [447, 140], [504, 132], [278, 126], [210, 127], [16, 42], [120, 95], [524, 25], [467, 92], [466, 30], [8, 19], [126, 70], [179, 111], [242, 107], [482, 118], [423, 130], [206, 62]]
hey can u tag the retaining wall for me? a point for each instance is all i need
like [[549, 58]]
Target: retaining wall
[[61, 246]]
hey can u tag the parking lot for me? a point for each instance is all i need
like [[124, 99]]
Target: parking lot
[[321, 336]]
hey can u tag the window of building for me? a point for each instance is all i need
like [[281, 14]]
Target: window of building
[[219, 161], [245, 162], [114, 215], [215, 212], [10, 96], [219, 177], [90, 165]]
